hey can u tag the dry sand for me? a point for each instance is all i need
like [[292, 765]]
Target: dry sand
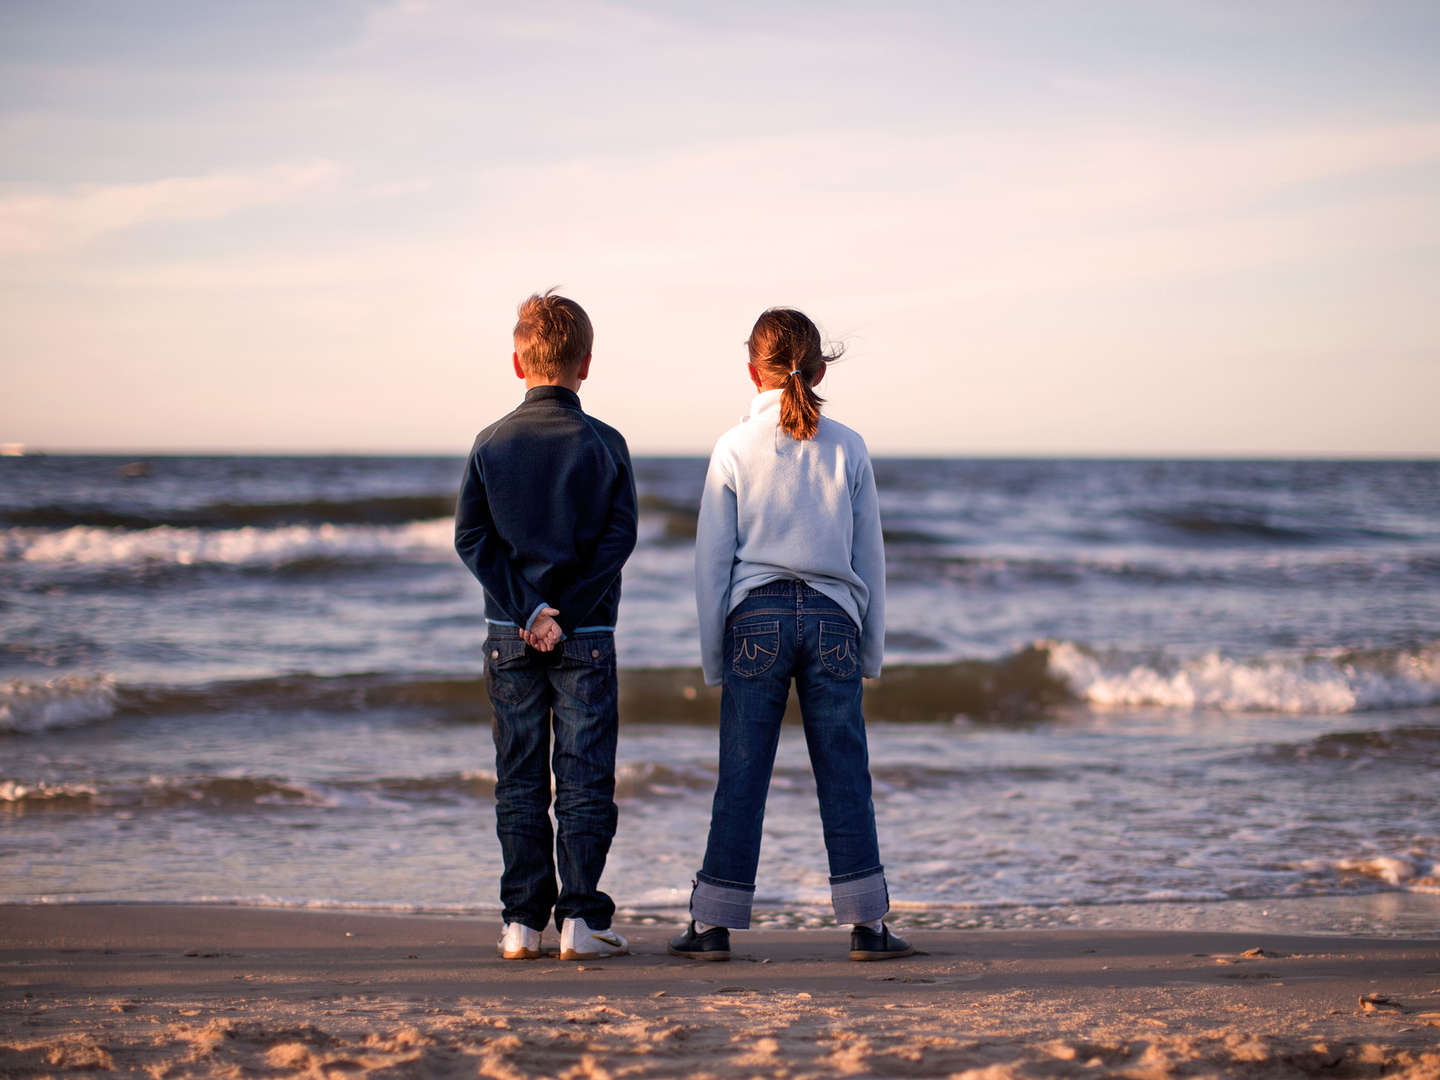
[[216, 991]]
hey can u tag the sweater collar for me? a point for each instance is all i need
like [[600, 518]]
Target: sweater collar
[[767, 401], [559, 394]]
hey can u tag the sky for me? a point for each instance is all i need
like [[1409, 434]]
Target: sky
[[1160, 227]]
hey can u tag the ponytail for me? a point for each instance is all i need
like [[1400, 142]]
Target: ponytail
[[799, 407], [785, 345]]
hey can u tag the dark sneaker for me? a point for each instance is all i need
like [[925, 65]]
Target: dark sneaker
[[713, 944], [867, 944]]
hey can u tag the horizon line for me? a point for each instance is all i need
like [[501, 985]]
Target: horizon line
[[19, 450]]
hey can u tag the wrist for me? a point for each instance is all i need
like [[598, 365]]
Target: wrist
[[530, 622]]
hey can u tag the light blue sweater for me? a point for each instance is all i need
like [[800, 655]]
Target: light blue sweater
[[776, 507]]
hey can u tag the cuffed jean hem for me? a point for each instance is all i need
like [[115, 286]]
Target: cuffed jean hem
[[859, 899], [725, 905]]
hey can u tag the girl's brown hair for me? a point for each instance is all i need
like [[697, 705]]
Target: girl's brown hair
[[785, 348]]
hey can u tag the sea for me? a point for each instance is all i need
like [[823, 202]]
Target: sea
[[1184, 693]]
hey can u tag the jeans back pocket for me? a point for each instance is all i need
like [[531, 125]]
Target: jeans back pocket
[[754, 644], [509, 676], [587, 672], [839, 648]]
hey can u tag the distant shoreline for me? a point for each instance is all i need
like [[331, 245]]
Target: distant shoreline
[[1234, 457]]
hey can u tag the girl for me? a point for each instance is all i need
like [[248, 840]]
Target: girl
[[790, 584]]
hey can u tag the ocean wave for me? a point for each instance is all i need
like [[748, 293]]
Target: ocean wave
[[1288, 568], [1331, 683], [65, 701], [462, 695], [1016, 685], [284, 547], [1226, 523], [1220, 522], [668, 521], [1406, 872], [370, 510], [1021, 687], [171, 551], [271, 548], [1415, 746], [15, 794], [227, 794], [222, 793], [634, 779]]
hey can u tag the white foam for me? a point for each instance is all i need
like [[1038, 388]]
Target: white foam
[[13, 791], [1386, 868], [1325, 684], [65, 701], [85, 545], [1412, 872]]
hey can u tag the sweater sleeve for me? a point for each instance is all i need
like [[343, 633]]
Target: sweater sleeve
[[481, 549], [716, 540], [868, 560]]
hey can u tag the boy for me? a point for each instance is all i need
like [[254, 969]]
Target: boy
[[545, 519]]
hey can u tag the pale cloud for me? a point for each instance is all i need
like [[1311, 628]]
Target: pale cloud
[[52, 221], [484, 27], [1017, 215], [976, 215]]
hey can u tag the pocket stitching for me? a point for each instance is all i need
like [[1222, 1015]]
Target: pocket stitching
[[842, 658], [746, 634]]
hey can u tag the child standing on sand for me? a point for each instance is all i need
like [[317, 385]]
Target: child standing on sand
[[545, 519], [790, 584]]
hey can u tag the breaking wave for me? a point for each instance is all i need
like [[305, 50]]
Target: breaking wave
[[272, 548], [1407, 872], [1329, 683], [66, 701], [1020, 686]]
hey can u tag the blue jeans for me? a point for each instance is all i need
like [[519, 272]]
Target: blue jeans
[[781, 631], [571, 689]]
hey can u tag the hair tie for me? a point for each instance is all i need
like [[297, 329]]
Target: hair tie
[[795, 372]]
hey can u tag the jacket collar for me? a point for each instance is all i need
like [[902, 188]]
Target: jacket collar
[[559, 394]]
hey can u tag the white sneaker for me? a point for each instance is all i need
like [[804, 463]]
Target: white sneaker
[[579, 942], [519, 942]]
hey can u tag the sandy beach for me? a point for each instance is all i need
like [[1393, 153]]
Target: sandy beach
[[218, 991]]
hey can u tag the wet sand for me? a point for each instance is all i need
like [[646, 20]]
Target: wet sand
[[158, 990]]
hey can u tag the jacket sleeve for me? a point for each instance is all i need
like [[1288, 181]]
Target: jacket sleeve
[[481, 549], [617, 541], [717, 536], [867, 558]]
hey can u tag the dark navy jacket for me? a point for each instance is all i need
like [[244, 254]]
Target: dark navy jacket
[[547, 513]]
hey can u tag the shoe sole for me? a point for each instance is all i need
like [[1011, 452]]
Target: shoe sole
[[573, 954], [712, 954], [865, 954], [520, 954]]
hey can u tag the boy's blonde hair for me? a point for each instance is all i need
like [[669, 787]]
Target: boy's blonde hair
[[552, 336]]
